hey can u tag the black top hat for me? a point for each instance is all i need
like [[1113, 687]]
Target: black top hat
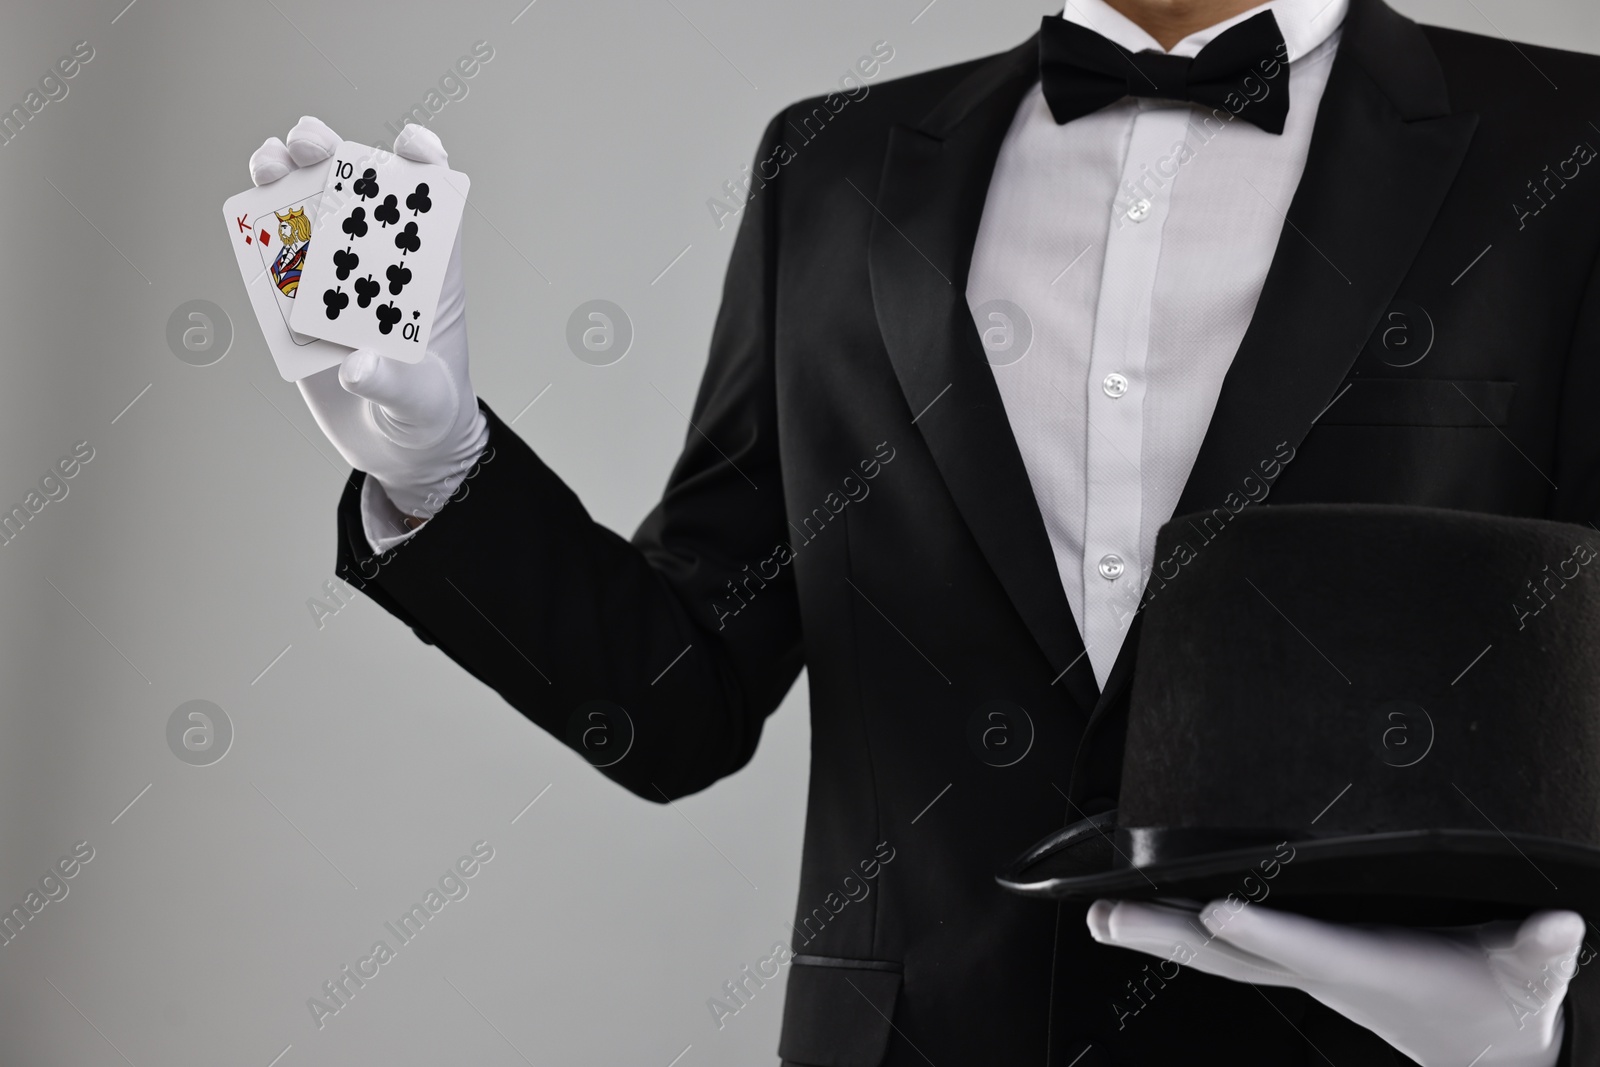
[[1337, 703]]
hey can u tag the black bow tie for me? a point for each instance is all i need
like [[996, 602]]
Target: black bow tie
[[1244, 71]]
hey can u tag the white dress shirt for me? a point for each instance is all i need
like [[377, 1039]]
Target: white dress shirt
[[1117, 266]]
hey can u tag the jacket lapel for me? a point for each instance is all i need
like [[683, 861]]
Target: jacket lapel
[[928, 204], [1384, 151], [1383, 154]]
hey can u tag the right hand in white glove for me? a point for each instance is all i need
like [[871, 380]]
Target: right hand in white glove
[[414, 427], [1488, 995]]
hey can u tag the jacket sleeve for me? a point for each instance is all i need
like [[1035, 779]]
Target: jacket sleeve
[[570, 622]]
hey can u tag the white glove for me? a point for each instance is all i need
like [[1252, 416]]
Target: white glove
[[414, 427], [1485, 995]]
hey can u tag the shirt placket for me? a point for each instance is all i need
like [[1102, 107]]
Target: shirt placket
[[1113, 572]]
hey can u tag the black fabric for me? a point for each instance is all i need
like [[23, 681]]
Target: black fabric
[[1421, 402], [837, 1013], [916, 598], [1244, 72]]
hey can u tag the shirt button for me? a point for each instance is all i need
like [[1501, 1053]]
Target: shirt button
[[1114, 385], [1139, 210], [1111, 567]]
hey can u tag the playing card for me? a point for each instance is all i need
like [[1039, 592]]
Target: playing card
[[386, 226], [270, 229]]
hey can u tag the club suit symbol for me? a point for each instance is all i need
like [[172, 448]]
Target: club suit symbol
[[366, 186], [388, 315], [387, 213], [335, 301], [366, 289], [418, 201], [399, 275], [407, 239], [344, 262], [356, 224]]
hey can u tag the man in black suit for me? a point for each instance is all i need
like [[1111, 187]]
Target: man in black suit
[[862, 493]]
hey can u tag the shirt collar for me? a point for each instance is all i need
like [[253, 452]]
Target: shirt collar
[[1304, 24]]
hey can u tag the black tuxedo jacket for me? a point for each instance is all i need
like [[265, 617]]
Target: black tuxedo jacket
[[851, 499]]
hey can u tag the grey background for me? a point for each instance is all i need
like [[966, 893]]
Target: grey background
[[180, 563]]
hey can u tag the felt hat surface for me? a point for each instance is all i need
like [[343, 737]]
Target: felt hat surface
[[1365, 708]]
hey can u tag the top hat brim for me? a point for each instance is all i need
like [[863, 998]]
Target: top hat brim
[[1429, 875]]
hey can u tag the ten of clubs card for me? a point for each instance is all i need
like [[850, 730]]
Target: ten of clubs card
[[384, 229], [270, 228]]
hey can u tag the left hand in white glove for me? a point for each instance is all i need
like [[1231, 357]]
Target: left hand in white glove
[[1486, 995]]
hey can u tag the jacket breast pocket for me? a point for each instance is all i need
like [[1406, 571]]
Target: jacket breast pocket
[[837, 1012], [1421, 402]]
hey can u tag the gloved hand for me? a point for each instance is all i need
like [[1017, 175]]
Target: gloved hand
[[414, 427], [1485, 995]]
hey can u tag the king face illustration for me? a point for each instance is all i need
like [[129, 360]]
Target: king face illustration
[[294, 231]]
